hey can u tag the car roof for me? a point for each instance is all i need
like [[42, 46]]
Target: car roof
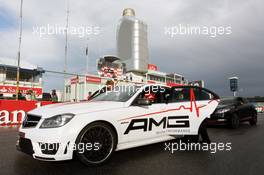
[[146, 85]]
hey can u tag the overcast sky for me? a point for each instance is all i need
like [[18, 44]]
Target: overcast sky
[[212, 59]]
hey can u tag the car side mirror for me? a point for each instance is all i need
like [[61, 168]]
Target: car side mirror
[[143, 102]]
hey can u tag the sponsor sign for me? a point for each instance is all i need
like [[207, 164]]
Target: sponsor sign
[[152, 67], [75, 80], [12, 112], [92, 79], [12, 90]]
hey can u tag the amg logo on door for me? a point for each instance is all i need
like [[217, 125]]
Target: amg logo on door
[[147, 124]]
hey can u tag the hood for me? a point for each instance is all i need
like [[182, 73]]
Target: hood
[[223, 107], [228, 105], [220, 106], [76, 108]]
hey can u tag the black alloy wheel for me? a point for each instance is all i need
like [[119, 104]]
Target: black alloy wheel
[[235, 121], [101, 140], [254, 120]]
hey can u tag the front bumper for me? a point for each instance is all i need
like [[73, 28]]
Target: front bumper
[[46, 145], [24, 145], [218, 119]]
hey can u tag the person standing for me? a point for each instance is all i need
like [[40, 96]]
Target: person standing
[[30, 95], [89, 95], [20, 95], [54, 97]]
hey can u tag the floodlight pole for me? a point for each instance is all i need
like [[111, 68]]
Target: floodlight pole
[[87, 56], [66, 52], [18, 53]]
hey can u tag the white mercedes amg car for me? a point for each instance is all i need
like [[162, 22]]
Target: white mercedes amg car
[[125, 117]]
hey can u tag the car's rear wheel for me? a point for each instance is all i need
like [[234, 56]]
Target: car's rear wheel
[[254, 120], [101, 138], [234, 121]]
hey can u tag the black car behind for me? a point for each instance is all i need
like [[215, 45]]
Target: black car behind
[[233, 111]]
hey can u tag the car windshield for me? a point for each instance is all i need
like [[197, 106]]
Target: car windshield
[[228, 101], [119, 93]]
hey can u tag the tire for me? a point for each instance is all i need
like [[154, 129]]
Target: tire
[[254, 120], [234, 122], [104, 140], [190, 139], [201, 132]]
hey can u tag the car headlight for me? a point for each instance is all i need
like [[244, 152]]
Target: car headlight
[[221, 111], [56, 121]]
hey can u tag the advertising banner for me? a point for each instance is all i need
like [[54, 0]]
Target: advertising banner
[[92, 79], [12, 90], [152, 67], [12, 112], [75, 80]]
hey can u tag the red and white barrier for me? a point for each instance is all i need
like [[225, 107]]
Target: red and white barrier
[[12, 112]]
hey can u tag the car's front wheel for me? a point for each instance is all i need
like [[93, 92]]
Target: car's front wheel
[[234, 121], [96, 143], [253, 121]]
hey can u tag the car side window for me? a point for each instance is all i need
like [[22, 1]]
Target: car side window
[[156, 94], [179, 94], [161, 94], [204, 94], [201, 94]]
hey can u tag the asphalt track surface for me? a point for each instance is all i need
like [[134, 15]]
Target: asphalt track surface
[[246, 157]]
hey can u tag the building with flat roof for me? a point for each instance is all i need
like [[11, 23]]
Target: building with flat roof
[[30, 78]]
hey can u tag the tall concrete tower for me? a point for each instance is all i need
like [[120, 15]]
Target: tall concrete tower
[[132, 42]]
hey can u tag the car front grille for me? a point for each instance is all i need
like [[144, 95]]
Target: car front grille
[[215, 115], [31, 121]]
